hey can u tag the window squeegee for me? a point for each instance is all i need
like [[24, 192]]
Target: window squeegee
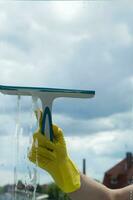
[[46, 95]]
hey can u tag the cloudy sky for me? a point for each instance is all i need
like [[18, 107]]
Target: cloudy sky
[[75, 45]]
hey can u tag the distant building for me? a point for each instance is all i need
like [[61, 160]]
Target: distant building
[[20, 185], [121, 174]]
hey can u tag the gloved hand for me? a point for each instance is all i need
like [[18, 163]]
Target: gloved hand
[[53, 157]]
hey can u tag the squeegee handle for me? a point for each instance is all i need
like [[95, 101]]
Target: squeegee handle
[[47, 118]]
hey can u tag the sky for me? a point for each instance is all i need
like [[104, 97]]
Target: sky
[[74, 45]]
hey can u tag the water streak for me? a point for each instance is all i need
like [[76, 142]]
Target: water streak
[[17, 145]]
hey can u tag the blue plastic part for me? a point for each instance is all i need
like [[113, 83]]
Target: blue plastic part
[[45, 114]]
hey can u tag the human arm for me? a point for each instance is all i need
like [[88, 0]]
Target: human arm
[[53, 157], [92, 190], [125, 193]]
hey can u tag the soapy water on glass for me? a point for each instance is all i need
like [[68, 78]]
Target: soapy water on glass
[[30, 178]]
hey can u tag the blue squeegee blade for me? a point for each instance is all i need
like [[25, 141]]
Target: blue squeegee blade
[[28, 90]]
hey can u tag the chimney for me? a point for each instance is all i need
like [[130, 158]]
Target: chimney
[[129, 159], [84, 166]]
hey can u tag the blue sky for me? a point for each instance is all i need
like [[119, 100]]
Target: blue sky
[[78, 45]]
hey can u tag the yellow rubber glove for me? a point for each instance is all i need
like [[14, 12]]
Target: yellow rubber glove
[[53, 157]]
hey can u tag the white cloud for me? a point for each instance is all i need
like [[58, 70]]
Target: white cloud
[[76, 126], [103, 143], [29, 46], [102, 150], [123, 35], [66, 11]]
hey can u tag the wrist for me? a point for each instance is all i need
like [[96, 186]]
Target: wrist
[[68, 176]]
